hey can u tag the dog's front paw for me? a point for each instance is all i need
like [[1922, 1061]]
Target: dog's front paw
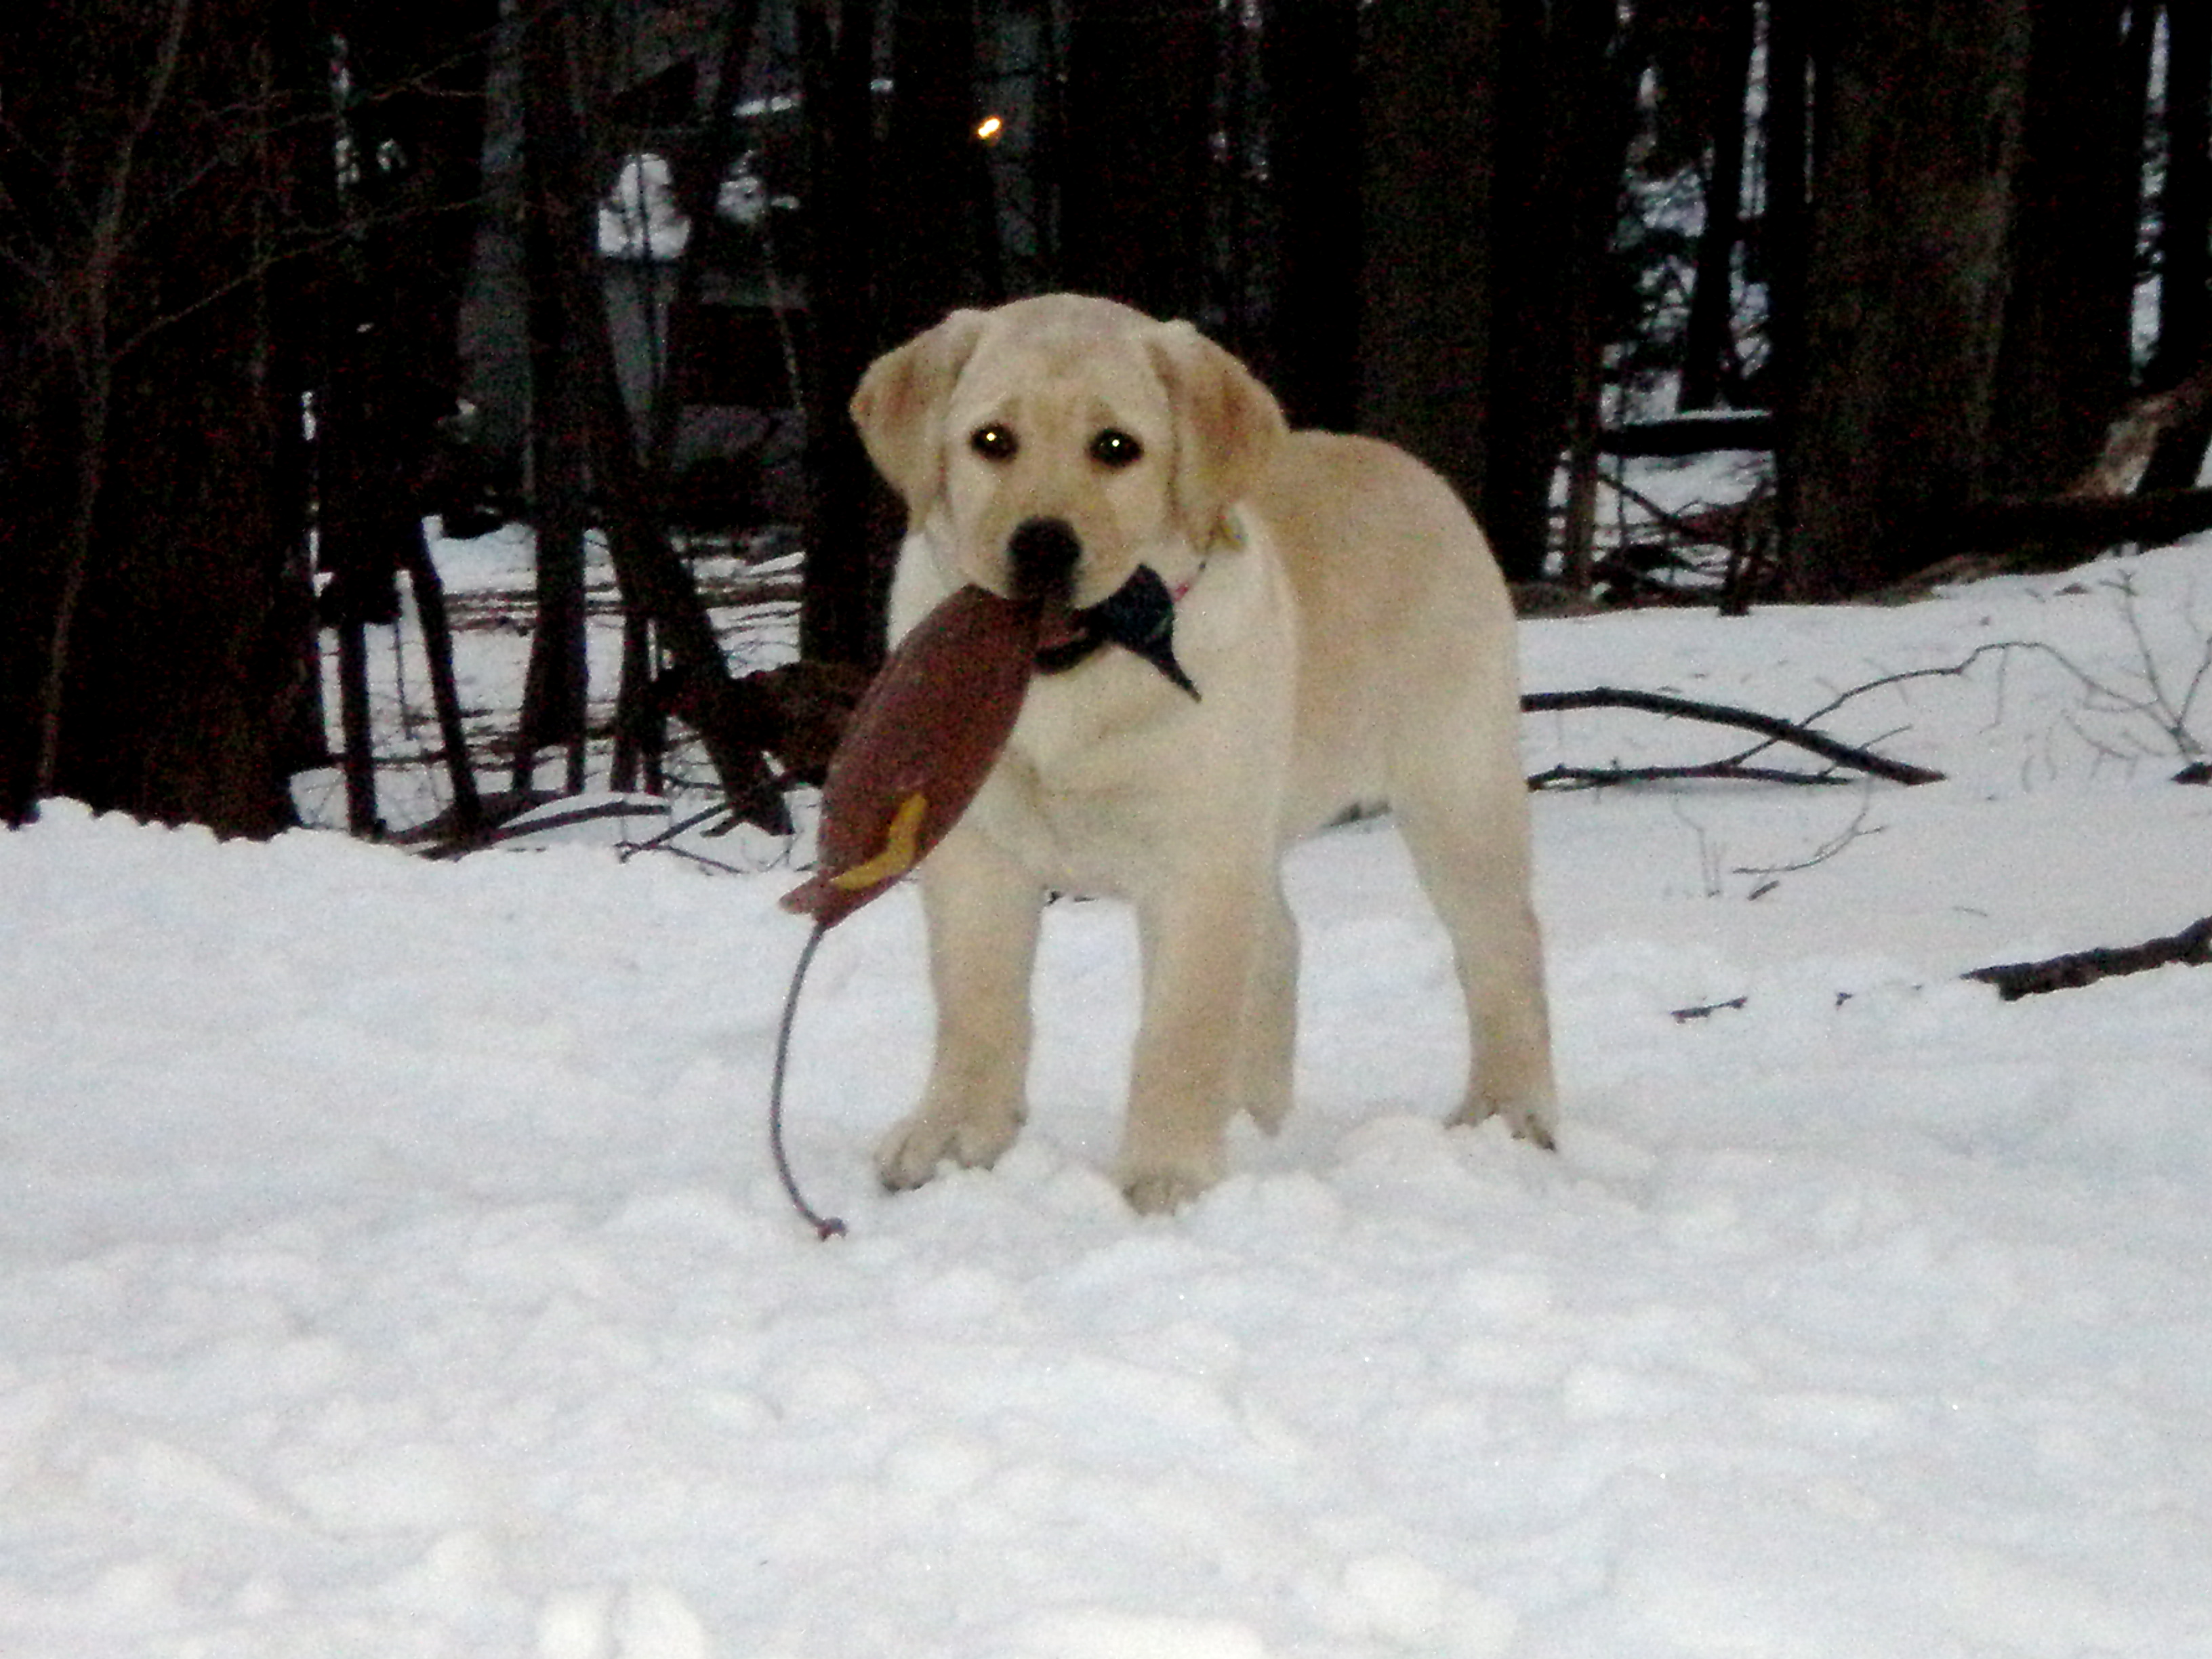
[[910, 1154], [1162, 1188], [1529, 1120], [1161, 1193]]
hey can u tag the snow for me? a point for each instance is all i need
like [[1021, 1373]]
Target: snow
[[639, 219], [393, 1264]]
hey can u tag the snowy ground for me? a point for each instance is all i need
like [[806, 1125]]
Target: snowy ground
[[391, 1264]]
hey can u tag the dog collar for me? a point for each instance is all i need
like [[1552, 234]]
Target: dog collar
[[1139, 617], [1228, 536]]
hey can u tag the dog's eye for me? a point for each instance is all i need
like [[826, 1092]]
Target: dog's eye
[[993, 443], [1115, 448]]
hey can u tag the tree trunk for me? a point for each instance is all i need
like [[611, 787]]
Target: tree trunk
[[2184, 240], [556, 687], [1905, 299], [1567, 123], [467, 814], [1134, 188], [2063, 369], [640, 724], [851, 523], [358, 547], [41, 400], [1785, 222], [1708, 342], [1310, 56], [356, 731], [655, 583], [940, 242], [1430, 115], [391, 369]]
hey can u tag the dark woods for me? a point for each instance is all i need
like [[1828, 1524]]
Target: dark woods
[[277, 283]]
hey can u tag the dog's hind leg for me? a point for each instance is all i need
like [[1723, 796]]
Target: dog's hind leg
[[984, 914], [1466, 825]]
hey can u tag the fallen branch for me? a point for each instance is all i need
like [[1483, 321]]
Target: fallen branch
[[1690, 434], [1684, 1016], [2058, 531], [447, 837], [2191, 946], [1767, 726], [1599, 777]]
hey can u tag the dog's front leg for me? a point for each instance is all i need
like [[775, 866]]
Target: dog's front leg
[[1200, 941], [983, 913]]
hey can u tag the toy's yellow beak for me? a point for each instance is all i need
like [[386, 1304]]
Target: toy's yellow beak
[[901, 849]]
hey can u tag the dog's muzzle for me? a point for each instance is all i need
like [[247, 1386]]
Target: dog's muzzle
[[1042, 556]]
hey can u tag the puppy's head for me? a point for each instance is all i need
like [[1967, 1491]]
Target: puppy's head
[[1048, 448]]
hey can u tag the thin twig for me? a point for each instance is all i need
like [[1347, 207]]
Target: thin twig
[[1821, 854]]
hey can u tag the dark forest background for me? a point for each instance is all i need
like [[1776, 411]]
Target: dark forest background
[[276, 281]]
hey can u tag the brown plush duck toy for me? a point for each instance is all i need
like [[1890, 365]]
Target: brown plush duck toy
[[925, 736], [926, 733]]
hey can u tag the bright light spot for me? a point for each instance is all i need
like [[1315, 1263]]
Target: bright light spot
[[989, 128]]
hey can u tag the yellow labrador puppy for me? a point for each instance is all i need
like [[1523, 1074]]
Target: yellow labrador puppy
[[1251, 631]]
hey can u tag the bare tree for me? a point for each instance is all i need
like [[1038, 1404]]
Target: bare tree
[[2184, 238], [1431, 115], [1707, 74], [1135, 155], [1905, 307], [2062, 369], [850, 523], [150, 575], [1311, 60], [556, 686], [656, 586], [933, 206]]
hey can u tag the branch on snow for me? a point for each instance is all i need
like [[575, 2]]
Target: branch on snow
[[2063, 529], [1769, 727], [2191, 946]]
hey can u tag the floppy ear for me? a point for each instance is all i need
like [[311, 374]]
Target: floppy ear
[[1227, 426], [900, 407]]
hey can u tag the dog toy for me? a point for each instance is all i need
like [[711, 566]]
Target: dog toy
[[921, 743], [925, 734]]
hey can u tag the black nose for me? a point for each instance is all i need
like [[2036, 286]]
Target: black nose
[[1042, 553]]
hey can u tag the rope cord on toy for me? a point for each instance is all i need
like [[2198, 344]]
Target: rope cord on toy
[[824, 1227]]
